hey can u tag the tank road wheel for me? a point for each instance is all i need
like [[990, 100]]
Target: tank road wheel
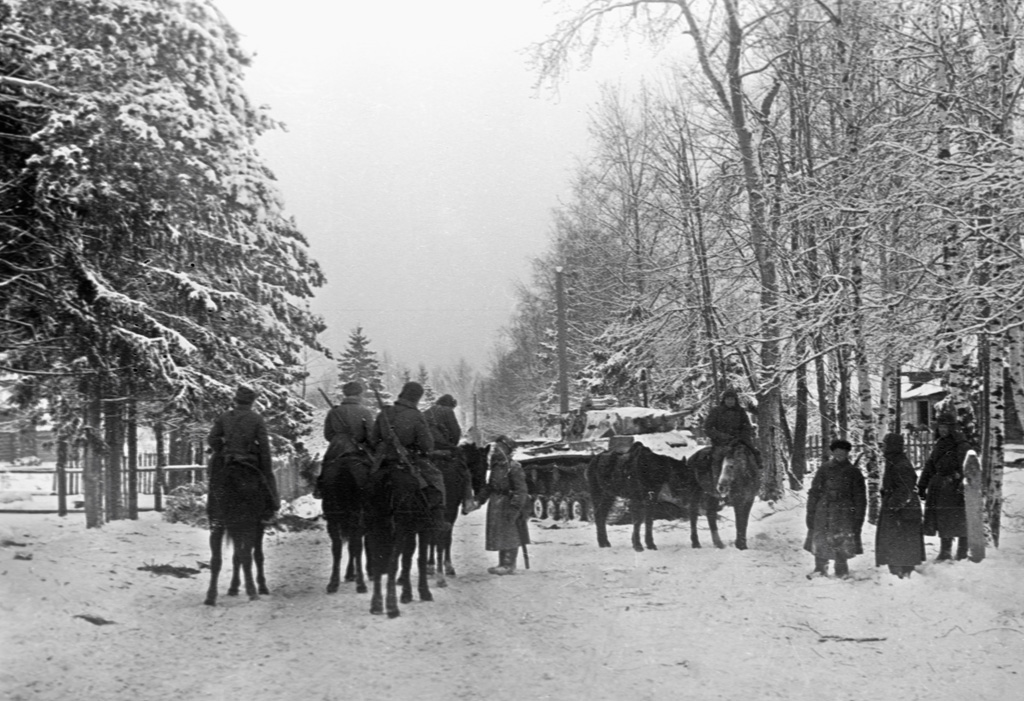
[[538, 507], [565, 510], [552, 510], [579, 510]]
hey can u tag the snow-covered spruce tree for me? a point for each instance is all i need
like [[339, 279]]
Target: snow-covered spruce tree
[[358, 363], [168, 249]]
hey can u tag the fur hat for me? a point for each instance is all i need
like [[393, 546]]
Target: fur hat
[[892, 443], [506, 442], [245, 395], [730, 393], [411, 391], [840, 444], [447, 400], [946, 418], [352, 389]]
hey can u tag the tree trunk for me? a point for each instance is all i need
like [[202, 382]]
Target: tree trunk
[[114, 429], [92, 465], [132, 425], [161, 461]]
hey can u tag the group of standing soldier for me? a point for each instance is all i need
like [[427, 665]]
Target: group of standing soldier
[[837, 503], [837, 498]]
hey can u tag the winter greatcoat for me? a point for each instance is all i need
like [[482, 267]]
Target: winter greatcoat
[[239, 437], [506, 495], [942, 487], [347, 428], [725, 425], [836, 504], [347, 460], [444, 427], [899, 541], [411, 430]]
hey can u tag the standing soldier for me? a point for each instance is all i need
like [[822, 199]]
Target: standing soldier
[[239, 437], [347, 430], [836, 504], [942, 487], [506, 528], [445, 429], [410, 431], [898, 539], [727, 425]]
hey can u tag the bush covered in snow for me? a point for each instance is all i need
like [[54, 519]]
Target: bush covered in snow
[[187, 504]]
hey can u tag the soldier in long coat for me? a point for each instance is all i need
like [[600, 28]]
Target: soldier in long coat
[[505, 494], [836, 505], [942, 487], [899, 541], [239, 438]]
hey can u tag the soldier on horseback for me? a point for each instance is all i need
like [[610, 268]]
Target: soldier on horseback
[[404, 441], [347, 430], [239, 437], [727, 426], [445, 429]]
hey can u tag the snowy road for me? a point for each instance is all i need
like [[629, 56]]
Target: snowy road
[[584, 623]]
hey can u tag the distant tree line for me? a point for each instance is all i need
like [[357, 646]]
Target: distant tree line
[[146, 265]]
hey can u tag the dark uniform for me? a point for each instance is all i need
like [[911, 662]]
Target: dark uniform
[[446, 432], [347, 430], [942, 487], [239, 441], [414, 436], [836, 505], [726, 426], [899, 542]]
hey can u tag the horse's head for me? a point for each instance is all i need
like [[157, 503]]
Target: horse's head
[[734, 462]]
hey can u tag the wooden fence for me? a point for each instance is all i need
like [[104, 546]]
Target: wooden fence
[[289, 484], [918, 445]]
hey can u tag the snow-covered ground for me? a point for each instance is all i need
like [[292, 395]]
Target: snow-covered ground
[[583, 623]]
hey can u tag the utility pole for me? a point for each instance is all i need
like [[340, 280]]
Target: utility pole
[[563, 360]]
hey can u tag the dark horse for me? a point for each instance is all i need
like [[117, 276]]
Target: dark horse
[[342, 484], [397, 512], [737, 482], [475, 458], [235, 505], [638, 475]]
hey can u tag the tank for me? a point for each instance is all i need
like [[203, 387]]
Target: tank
[[556, 470]]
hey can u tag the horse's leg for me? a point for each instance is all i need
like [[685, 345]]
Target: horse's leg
[[696, 497], [742, 511], [445, 559], [391, 594], [649, 526], [639, 515], [258, 559], [711, 507], [247, 558], [216, 544], [334, 531], [236, 564], [602, 505], [355, 551], [376, 564], [406, 545], [429, 559], [426, 539]]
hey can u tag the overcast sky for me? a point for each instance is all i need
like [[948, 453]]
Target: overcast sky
[[418, 160]]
